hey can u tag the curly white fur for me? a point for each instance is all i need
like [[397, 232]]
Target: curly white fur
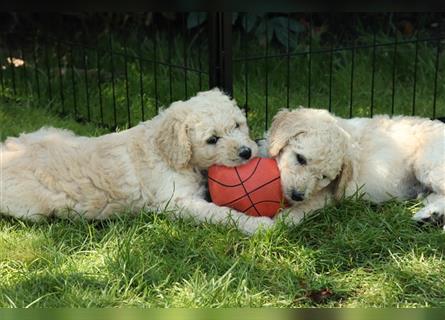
[[384, 158], [157, 164]]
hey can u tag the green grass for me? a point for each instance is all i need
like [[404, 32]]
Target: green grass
[[352, 255], [355, 254]]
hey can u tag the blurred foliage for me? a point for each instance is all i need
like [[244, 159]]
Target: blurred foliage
[[281, 29], [265, 27]]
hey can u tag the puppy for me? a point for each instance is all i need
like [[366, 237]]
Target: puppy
[[157, 164], [324, 158]]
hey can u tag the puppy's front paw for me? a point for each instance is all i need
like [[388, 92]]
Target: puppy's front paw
[[432, 213], [255, 224]]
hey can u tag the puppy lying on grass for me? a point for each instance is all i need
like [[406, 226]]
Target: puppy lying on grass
[[157, 164], [324, 158]]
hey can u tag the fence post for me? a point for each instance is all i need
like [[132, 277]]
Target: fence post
[[220, 51]]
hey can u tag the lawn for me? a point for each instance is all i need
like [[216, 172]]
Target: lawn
[[353, 254]]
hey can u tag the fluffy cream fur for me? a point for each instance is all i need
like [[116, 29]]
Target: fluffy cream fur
[[382, 157], [157, 164]]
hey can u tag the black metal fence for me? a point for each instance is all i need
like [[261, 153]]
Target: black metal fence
[[109, 79], [266, 62]]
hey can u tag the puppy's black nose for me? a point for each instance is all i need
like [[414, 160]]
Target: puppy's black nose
[[297, 196], [245, 153]]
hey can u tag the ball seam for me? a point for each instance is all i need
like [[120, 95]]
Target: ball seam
[[251, 191], [241, 181], [245, 190]]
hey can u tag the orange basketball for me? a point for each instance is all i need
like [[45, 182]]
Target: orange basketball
[[253, 188]]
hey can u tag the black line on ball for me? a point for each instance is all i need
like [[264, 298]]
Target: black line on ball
[[225, 185], [254, 170], [259, 187], [237, 185], [245, 190], [254, 205]]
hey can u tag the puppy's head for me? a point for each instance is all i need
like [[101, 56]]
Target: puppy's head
[[310, 149], [207, 129]]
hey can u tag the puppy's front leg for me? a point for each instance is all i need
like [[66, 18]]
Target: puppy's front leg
[[204, 211], [430, 171], [434, 210]]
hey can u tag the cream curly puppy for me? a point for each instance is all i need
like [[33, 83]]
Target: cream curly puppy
[[157, 164], [323, 158]]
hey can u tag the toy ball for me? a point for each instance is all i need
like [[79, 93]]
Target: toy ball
[[253, 188]]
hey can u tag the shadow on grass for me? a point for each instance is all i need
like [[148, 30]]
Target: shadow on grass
[[328, 260]]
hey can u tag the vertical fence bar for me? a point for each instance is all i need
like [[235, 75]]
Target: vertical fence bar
[[416, 58], [394, 62], [199, 56], [227, 53], [220, 51], [266, 79], [48, 73], [155, 66], [73, 81], [99, 86], [127, 92], [85, 74], [214, 36], [374, 46], [435, 77], [170, 40], [141, 83], [12, 66], [351, 96], [309, 67], [246, 85], [59, 66], [184, 52], [331, 62], [288, 62], [352, 81], [113, 89], [36, 67]]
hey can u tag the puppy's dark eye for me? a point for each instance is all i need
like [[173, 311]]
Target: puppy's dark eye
[[212, 140], [324, 177], [237, 125], [301, 159]]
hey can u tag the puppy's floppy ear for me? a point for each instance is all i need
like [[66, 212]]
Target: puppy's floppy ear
[[285, 125], [173, 141], [347, 169], [342, 179]]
